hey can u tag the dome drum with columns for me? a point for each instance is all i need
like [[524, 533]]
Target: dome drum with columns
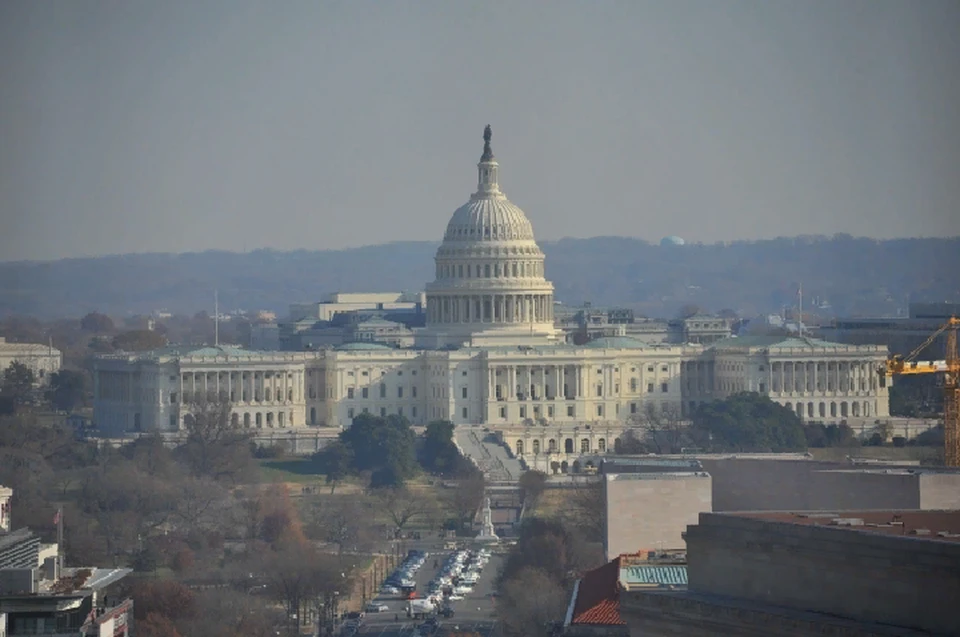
[[490, 287]]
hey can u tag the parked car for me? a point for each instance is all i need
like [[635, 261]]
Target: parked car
[[377, 607]]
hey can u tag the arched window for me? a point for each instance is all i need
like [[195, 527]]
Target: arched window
[[833, 410], [280, 420], [866, 410], [856, 409], [564, 467], [259, 419], [486, 271], [810, 410], [519, 447], [823, 410], [552, 445], [269, 419], [844, 409], [602, 445], [584, 445], [313, 415], [246, 420], [514, 269], [536, 447], [235, 419], [568, 445]]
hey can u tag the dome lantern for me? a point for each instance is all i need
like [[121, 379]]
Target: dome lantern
[[487, 168]]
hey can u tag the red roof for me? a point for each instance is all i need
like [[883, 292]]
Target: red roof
[[598, 597]]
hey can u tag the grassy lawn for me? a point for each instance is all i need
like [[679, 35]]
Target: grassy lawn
[[299, 470]]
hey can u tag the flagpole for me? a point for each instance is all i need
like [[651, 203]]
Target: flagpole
[[800, 310], [60, 551]]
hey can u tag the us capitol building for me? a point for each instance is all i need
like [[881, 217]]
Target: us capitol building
[[490, 354]]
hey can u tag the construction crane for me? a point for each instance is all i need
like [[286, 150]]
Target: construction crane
[[950, 368]]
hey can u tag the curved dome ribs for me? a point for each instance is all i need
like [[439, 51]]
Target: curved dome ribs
[[489, 268]]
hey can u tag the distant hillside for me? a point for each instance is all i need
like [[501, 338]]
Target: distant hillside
[[856, 276]]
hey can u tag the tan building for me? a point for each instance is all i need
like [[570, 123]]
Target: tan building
[[821, 381], [152, 391], [652, 510], [42, 360]]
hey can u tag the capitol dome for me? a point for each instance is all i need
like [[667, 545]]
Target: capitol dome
[[489, 269]]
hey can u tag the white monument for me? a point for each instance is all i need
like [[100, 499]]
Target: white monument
[[487, 532]]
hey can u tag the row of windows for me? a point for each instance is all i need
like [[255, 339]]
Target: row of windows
[[365, 392], [567, 446], [258, 419], [351, 412], [522, 269], [842, 409], [537, 412], [844, 385], [266, 396], [382, 373]]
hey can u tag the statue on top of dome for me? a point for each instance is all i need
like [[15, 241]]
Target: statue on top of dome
[[487, 151]]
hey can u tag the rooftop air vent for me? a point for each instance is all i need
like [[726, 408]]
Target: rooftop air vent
[[847, 522]]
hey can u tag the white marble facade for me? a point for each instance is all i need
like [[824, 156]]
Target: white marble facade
[[490, 355], [42, 360]]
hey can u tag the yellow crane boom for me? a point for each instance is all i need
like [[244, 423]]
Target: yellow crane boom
[[950, 368]]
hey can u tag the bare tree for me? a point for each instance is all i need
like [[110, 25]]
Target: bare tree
[[465, 499], [342, 522], [297, 576], [216, 447], [587, 509], [201, 502], [403, 506], [530, 603], [665, 429]]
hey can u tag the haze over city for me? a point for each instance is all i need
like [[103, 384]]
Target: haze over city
[[238, 125]]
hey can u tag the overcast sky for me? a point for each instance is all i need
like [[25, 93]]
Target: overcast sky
[[133, 126]]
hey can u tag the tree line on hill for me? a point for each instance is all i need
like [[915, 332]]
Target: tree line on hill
[[750, 277]]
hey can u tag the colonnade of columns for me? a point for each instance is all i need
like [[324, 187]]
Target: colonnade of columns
[[830, 376], [535, 382], [276, 386], [490, 308]]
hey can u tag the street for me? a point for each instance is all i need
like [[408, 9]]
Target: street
[[476, 612]]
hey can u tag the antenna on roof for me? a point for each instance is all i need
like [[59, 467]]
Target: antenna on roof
[[216, 319]]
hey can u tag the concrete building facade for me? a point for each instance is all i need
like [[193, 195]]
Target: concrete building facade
[[893, 568], [652, 510]]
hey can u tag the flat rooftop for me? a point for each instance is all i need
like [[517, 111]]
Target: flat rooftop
[[942, 526]]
